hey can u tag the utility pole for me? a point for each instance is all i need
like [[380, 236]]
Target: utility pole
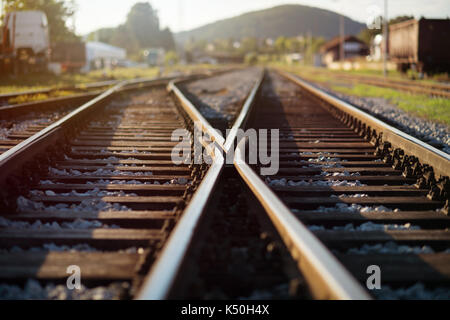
[[385, 38], [342, 31]]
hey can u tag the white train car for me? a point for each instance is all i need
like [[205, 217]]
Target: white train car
[[101, 55], [25, 41]]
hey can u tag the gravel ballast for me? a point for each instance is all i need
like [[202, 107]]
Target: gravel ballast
[[368, 226], [33, 290], [221, 97], [417, 291], [8, 127], [78, 224], [391, 247], [238, 257], [90, 205]]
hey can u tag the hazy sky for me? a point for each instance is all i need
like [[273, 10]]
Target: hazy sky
[[188, 14]]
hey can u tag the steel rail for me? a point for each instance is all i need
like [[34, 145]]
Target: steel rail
[[77, 87], [11, 110], [224, 143], [5, 96], [192, 111], [440, 161], [417, 88], [21, 152], [88, 87], [196, 116], [163, 274], [141, 82], [243, 115], [426, 87], [91, 85], [179, 241], [325, 275]]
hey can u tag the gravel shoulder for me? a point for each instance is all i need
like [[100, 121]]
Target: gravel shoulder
[[220, 98], [10, 127], [431, 132]]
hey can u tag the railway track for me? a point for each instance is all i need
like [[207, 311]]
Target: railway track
[[102, 187], [370, 202], [20, 121], [167, 278], [162, 281], [432, 89], [106, 196], [87, 89], [235, 253]]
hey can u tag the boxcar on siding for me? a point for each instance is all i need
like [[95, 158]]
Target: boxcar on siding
[[423, 44]]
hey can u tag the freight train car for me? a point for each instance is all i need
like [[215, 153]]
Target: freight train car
[[421, 44]]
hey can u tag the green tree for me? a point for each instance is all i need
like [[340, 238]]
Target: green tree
[[249, 44], [280, 45], [194, 45], [102, 35], [166, 39], [367, 34], [57, 11], [143, 24], [312, 47], [171, 58], [140, 31], [251, 58], [122, 38], [293, 45], [400, 19]]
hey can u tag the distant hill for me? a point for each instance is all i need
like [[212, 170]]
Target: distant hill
[[285, 20]]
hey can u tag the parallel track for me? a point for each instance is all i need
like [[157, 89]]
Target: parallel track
[[322, 139], [332, 157], [84, 88], [431, 89], [48, 111], [32, 117], [117, 151]]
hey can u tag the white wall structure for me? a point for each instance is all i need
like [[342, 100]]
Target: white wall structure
[[102, 55]]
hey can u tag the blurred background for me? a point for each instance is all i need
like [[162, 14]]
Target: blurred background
[[55, 42]]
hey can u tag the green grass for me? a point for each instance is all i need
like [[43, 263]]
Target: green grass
[[436, 109], [44, 81], [394, 75], [40, 96], [124, 73]]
